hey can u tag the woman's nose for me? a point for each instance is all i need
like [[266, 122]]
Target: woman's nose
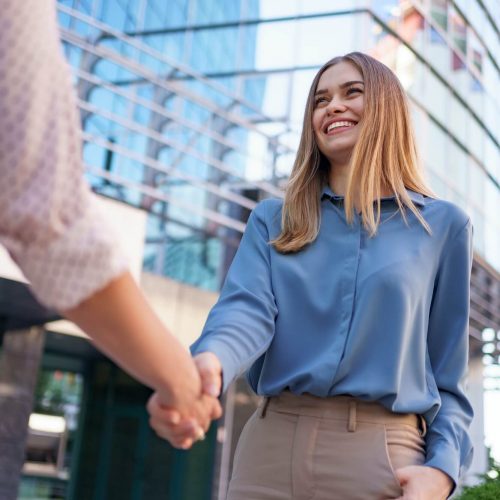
[[335, 106]]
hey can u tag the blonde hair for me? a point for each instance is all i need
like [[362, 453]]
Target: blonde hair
[[385, 155]]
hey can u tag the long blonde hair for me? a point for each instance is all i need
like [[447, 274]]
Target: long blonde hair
[[385, 155]]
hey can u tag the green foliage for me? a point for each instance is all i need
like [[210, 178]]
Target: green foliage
[[493, 474], [485, 491], [490, 488], [55, 390]]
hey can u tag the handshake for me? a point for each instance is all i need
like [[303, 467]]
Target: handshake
[[185, 415]]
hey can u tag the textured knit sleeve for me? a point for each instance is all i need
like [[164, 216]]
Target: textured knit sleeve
[[48, 219], [240, 326], [449, 446]]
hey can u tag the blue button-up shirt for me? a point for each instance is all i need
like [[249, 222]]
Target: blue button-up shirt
[[382, 319]]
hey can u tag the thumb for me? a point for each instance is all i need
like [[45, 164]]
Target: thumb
[[402, 475], [210, 371]]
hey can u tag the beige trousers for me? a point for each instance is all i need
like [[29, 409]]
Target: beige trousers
[[337, 448]]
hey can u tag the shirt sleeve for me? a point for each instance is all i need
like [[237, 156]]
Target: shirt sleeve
[[49, 221], [449, 446], [241, 325]]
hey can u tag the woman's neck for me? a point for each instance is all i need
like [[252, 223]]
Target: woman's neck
[[339, 176]]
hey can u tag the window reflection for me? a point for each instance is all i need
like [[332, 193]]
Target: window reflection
[[458, 120], [457, 167], [476, 52], [411, 27], [436, 96], [478, 222], [438, 50], [458, 31], [438, 9], [449, 46], [492, 232], [476, 181]]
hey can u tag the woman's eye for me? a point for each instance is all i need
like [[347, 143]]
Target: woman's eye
[[320, 100], [353, 89]]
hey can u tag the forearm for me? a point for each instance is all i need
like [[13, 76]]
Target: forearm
[[240, 327], [123, 325]]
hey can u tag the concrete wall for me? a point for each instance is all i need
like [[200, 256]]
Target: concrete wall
[[182, 308], [475, 392]]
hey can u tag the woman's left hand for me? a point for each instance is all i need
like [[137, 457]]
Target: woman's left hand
[[420, 482]]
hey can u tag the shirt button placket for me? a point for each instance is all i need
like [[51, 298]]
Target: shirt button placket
[[350, 276]]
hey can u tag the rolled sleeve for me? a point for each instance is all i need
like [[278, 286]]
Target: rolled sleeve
[[49, 222], [449, 447], [241, 325]]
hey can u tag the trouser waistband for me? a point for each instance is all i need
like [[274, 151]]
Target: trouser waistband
[[347, 408]]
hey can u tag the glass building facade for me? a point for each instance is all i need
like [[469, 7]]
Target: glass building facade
[[190, 105], [192, 111], [169, 123]]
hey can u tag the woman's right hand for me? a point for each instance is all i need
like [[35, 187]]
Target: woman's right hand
[[183, 431], [210, 371]]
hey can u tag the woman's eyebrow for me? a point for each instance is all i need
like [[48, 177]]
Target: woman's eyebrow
[[352, 82], [342, 86]]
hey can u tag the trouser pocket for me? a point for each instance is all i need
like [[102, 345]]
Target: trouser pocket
[[353, 465]]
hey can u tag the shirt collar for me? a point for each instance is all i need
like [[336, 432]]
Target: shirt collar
[[417, 198]]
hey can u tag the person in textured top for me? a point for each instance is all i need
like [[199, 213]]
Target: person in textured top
[[348, 303], [50, 225]]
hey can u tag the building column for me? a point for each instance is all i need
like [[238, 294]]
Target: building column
[[19, 363], [475, 392]]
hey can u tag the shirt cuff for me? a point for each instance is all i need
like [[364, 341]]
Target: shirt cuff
[[84, 259], [445, 458]]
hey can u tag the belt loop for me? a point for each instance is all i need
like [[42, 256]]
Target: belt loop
[[423, 425], [352, 416], [263, 407]]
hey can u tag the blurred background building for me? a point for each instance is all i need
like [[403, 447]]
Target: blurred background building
[[191, 111]]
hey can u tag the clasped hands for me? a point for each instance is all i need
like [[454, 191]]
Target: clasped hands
[[182, 429]]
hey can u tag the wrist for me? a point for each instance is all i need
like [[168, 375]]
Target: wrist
[[181, 387], [447, 482]]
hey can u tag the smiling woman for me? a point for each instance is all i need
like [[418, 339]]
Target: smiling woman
[[375, 156], [353, 326], [338, 108]]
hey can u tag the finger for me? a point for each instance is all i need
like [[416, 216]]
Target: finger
[[184, 427], [402, 475], [180, 442], [186, 444], [200, 434], [210, 380], [169, 415], [210, 373], [154, 407], [174, 432], [216, 410], [211, 409], [152, 404]]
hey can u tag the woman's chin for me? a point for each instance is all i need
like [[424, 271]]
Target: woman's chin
[[340, 154]]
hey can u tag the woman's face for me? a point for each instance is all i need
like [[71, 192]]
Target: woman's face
[[338, 109]]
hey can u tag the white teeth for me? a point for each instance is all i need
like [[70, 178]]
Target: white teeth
[[339, 124]]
